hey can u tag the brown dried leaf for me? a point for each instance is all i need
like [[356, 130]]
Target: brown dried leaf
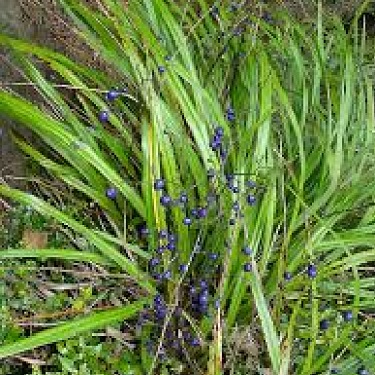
[[34, 239]]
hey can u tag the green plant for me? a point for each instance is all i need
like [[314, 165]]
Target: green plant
[[277, 127]]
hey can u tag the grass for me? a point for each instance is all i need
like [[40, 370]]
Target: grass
[[296, 108]]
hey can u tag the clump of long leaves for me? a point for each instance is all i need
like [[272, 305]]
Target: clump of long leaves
[[301, 109]]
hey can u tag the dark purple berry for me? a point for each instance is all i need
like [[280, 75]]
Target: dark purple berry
[[165, 200], [112, 95], [202, 212], [251, 200], [248, 267], [159, 184], [111, 193], [324, 324], [247, 250], [103, 116], [347, 315], [187, 221], [312, 271]]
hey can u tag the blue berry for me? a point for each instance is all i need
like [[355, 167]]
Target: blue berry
[[183, 268], [163, 233], [157, 276], [144, 231], [171, 246], [287, 276], [187, 221], [251, 184], [154, 262], [213, 256], [172, 237], [161, 69], [111, 193], [219, 131], [203, 284], [195, 342], [312, 271], [183, 198], [103, 116], [160, 249], [347, 315], [194, 212], [362, 371], [324, 324], [236, 206], [167, 275], [159, 184], [158, 300], [248, 267], [223, 153], [112, 95], [165, 200], [230, 114], [214, 144], [247, 250], [203, 298], [235, 189], [251, 200]]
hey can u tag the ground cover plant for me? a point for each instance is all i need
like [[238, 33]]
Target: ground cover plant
[[230, 163]]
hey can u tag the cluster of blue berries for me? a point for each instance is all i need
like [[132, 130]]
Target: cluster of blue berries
[[198, 297], [110, 97]]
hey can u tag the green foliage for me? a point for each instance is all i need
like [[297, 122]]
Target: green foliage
[[303, 131]]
